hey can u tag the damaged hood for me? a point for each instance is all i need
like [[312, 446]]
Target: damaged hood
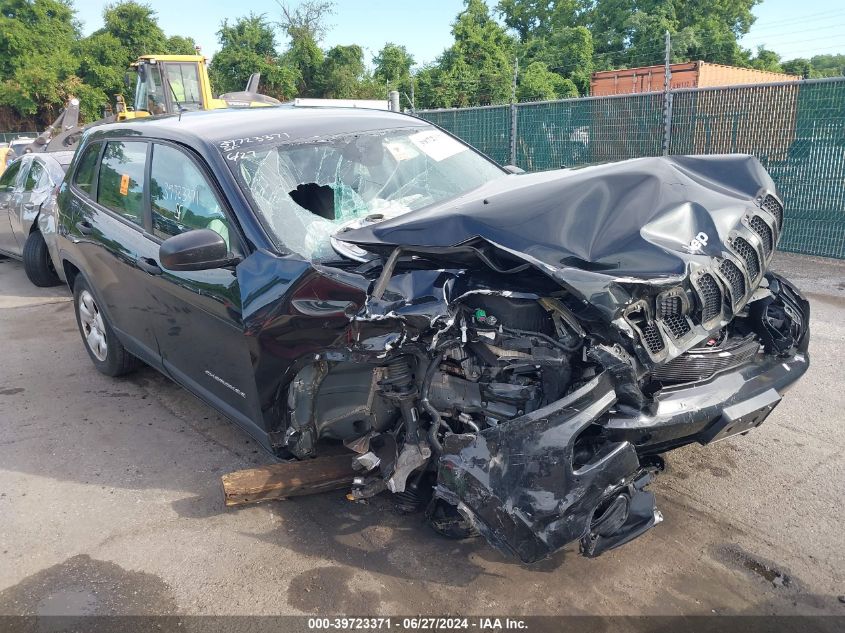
[[638, 221]]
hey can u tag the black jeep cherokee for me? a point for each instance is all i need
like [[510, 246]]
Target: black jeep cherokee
[[510, 352]]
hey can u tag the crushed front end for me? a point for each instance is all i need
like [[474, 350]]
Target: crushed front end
[[576, 468], [518, 374]]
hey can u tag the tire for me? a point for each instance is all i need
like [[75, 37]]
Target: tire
[[37, 262], [105, 349]]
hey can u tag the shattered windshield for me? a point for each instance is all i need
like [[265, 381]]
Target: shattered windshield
[[307, 192]]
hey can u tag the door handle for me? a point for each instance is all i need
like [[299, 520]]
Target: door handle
[[29, 206], [148, 265], [85, 227]]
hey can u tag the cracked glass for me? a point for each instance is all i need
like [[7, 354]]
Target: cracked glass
[[307, 192]]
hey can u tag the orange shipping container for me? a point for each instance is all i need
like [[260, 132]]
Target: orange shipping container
[[696, 74]]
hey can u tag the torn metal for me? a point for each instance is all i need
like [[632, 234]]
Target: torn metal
[[513, 361]]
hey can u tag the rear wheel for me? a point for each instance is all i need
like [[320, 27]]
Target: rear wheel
[[37, 262], [106, 351]]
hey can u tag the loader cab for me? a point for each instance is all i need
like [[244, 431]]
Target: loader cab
[[170, 83]]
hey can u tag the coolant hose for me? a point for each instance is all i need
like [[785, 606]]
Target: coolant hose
[[436, 420]]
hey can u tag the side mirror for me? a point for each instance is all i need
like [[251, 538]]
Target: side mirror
[[513, 169], [127, 81], [200, 249]]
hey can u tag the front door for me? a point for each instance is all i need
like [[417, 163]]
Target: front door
[[198, 321]]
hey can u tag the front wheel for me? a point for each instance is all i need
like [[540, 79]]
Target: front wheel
[[105, 349], [37, 262]]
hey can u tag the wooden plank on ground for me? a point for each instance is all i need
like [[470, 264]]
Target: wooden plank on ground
[[290, 479]]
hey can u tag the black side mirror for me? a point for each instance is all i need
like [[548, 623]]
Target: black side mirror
[[200, 249], [513, 169], [126, 81]]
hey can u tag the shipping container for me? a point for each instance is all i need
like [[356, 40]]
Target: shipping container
[[696, 74]]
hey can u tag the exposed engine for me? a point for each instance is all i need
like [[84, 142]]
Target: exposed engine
[[502, 357]]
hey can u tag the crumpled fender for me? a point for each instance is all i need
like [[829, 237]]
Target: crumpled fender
[[516, 484]]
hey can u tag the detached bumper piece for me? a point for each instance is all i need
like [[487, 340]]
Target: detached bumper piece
[[524, 488]]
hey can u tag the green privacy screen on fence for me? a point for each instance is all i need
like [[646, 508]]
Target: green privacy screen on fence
[[797, 130]]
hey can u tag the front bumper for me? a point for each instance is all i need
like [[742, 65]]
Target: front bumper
[[518, 483], [694, 413]]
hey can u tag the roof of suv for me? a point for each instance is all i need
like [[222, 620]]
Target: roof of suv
[[214, 127]]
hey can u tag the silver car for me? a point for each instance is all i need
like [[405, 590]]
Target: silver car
[[27, 212]]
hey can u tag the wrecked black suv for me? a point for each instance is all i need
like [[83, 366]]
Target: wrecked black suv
[[509, 353]]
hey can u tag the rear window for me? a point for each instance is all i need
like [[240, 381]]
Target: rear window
[[120, 186], [84, 177]]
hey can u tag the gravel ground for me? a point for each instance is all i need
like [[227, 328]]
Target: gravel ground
[[111, 504]]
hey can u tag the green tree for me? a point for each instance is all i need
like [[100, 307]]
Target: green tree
[[567, 51], [37, 62], [538, 83], [529, 18], [135, 26], [181, 45], [799, 66], [477, 69], [629, 33], [305, 26], [828, 65], [393, 66], [248, 45], [766, 60], [342, 72]]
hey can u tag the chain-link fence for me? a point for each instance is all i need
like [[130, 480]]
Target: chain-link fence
[[796, 129]]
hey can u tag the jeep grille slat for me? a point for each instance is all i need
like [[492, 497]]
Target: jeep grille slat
[[735, 279], [765, 232], [774, 207], [670, 311], [748, 255], [652, 338], [711, 297]]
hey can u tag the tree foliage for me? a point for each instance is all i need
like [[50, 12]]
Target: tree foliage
[[816, 67], [538, 83], [393, 65], [557, 43], [305, 26], [477, 68], [247, 46], [37, 61]]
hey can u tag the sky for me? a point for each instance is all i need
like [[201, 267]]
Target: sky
[[791, 28]]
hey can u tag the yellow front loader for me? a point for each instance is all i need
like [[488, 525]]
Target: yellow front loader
[[178, 83]]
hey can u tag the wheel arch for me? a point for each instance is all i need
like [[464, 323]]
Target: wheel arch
[[71, 272]]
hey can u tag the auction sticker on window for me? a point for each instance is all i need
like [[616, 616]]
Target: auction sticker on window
[[124, 185], [436, 144], [401, 151]]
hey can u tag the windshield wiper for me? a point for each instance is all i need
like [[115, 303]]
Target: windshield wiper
[[179, 106]]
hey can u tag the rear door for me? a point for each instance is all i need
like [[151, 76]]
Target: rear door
[[109, 227], [10, 186]]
